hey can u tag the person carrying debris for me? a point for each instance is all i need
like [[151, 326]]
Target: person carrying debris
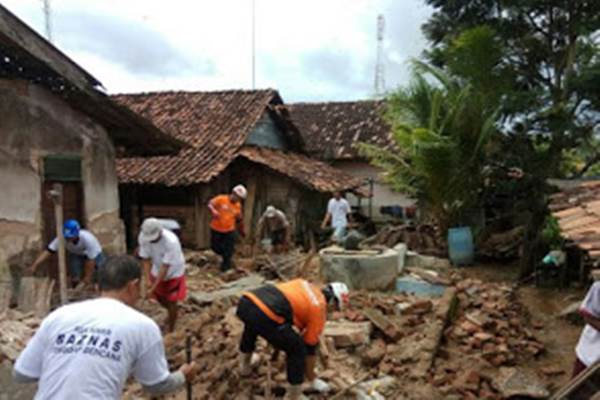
[[226, 211], [272, 312], [274, 225], [588, 347], [164, 266], [85, 253], [338, 213], [88, 350]]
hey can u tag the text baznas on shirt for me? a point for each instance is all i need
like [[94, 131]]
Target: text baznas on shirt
[[97, 342]]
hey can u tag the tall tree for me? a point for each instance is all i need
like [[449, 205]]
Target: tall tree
[[441, 127], [550, 70]]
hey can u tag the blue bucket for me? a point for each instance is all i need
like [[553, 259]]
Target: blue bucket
[[461, 249]]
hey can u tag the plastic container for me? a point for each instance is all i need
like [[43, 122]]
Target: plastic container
[[460, 245]]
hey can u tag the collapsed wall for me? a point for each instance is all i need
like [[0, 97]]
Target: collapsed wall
[[35, 125]]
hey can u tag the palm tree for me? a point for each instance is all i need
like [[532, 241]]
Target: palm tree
[[441, 127]]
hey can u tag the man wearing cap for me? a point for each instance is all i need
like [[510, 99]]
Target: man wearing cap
[[85, 253], [273, 311], [226, 211], [87, 350], [274, 225], [164, 266]]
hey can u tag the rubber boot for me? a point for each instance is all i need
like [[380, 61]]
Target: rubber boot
[[295, 393], [246, 364]]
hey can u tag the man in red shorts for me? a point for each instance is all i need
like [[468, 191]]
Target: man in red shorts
[[164, 266]]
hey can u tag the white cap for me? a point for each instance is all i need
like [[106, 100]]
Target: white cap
[[340, 293], [240, 191], [150, 230], [270, 212]]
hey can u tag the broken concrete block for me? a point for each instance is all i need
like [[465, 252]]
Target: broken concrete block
[[383, 323], [345, 334], [519, 383], [368, 269]]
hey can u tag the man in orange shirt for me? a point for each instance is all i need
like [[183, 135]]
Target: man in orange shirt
[[272, 311], [226, 210]]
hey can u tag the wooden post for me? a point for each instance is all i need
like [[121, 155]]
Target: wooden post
[[201, 218], [249, 206], [57, 195]]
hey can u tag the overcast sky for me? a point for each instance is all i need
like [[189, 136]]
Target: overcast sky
[[310, 50]]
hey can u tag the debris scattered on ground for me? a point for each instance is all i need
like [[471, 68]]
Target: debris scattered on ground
[[16, 328], [502, 245], [423, 239]]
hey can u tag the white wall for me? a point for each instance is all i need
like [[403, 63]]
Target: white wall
[[383, 195]]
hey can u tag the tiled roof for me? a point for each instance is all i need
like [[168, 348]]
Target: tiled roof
[[330, 130], [577, 210], [317, 175], [216, 126]]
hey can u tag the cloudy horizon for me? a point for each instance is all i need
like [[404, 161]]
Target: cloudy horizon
[[309, 51]]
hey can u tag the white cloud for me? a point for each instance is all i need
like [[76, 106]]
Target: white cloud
[[314, 50]]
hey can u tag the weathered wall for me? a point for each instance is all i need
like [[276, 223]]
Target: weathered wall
[[267, 134], [383, 195], [34, 123]]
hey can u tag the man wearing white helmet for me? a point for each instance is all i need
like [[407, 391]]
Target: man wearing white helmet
[[226, 211], [275, 226], [164, 266], [273, 311]]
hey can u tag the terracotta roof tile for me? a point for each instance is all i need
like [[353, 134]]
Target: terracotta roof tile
[[216, 126], [317, 175], [330, 130], [577, 210]]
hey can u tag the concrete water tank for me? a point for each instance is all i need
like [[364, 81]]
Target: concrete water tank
[[360, 269]]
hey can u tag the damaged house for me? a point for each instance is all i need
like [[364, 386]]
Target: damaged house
[[56, 126], [331, 131], [234, 137]]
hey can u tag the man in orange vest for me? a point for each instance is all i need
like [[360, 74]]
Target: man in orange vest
[[226, 211], [272, 312]]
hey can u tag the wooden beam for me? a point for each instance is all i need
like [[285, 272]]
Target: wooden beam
[[201, 217], [57, 197], [252, 186]]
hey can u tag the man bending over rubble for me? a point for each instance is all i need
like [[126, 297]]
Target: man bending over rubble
[[164, 266], [272, 312], [87, 350], [588, 348]]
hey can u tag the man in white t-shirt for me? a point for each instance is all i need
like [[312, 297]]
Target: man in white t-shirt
[[84, 250], [88, 350], [338, 213], [164, 266], [588, 348]]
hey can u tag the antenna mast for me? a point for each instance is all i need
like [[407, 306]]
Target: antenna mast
[[379, 65], [253, 44], [48, 19]]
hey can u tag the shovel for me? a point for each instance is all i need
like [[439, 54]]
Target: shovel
[[188, 355]]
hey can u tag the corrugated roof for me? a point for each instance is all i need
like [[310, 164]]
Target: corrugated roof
[[317, 175], [577, 210], [216, 126], [330, 130]]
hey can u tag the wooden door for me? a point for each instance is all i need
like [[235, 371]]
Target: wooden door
[[72, 209]]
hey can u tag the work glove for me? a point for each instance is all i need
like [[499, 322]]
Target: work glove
[[320, 386]]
